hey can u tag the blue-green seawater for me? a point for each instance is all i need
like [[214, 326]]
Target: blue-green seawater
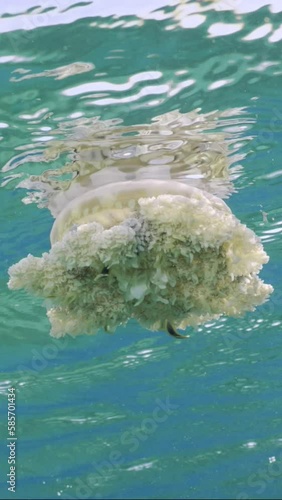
[[139, 414]]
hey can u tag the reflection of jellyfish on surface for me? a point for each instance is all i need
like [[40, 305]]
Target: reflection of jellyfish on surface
[[141, 235]]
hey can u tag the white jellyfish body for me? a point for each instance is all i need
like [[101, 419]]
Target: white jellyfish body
[[160, 251]]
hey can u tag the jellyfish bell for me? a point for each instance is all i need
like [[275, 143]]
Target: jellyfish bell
[[112, 203], [163, 252]]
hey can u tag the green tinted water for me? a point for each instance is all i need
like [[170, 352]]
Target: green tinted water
[[136, 414]]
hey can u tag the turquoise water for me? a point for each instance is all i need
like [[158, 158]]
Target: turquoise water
[[137, 414]]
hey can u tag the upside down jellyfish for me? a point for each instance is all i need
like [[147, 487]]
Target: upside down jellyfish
[[150, 246]]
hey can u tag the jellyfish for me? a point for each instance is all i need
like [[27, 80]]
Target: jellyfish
[[165, 253], [162, 251]]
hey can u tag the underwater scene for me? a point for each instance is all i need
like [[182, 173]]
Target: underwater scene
[[141, 220]]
